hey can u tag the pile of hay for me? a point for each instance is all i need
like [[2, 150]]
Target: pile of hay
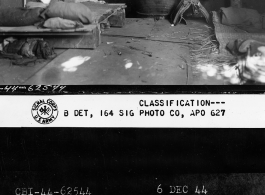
[[207, 58]]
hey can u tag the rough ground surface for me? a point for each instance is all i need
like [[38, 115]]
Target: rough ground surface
[[143, 52]]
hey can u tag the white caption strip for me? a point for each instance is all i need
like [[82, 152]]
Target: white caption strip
[[224, 111]]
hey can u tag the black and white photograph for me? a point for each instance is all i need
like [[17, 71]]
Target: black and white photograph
[[153, 97], [132, 42]]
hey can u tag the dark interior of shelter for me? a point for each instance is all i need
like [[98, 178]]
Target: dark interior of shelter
[[132, 42]]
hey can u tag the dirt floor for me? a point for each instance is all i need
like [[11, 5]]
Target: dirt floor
[[143, 52]]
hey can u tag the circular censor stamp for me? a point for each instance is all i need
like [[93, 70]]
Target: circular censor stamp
[[44, 112]]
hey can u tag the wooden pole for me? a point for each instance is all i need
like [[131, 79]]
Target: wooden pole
[[236, 3]]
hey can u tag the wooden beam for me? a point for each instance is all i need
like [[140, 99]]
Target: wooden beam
[[69, 40]]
